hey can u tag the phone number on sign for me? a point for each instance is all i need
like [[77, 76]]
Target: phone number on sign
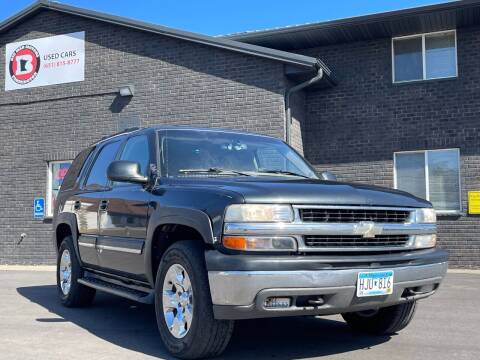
[[55, 64]]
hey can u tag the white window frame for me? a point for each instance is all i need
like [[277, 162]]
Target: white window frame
[[427, 185], [424, 61], [48, 198]]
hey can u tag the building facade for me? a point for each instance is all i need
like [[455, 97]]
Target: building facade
[[417, 134], [405, 112]]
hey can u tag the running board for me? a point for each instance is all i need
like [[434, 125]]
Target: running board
[[146, 297]]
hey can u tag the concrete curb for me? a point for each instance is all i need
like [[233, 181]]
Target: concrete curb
[[53, 268], [28, 268], [464, 271]]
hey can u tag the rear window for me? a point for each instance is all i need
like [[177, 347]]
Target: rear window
[[74, 171]]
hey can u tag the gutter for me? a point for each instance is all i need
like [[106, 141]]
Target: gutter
[[222, 43], [374, 18], [288, 94]]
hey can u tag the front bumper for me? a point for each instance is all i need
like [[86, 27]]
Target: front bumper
[[241, 294]]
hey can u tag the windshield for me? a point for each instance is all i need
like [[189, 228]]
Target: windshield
[[216, 153]]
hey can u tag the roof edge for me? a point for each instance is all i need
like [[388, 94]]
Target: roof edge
[[354, 20], [223, 43]]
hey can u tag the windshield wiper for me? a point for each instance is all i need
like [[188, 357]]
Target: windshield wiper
[[282, 172], [213, 170]]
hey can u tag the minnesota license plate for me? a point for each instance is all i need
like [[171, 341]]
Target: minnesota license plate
[[375, 283]]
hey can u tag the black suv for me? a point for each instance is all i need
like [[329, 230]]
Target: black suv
[[213, 226]]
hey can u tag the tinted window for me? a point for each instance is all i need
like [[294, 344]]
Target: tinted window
[[74, 170], [97, 179]]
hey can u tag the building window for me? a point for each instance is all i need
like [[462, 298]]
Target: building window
[[56, 173], [433, 175], [425, 56]]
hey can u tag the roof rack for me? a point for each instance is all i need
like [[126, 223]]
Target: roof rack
[[128, 130]]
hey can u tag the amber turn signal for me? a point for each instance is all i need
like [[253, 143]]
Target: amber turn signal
[[235, 242], [254, 243]]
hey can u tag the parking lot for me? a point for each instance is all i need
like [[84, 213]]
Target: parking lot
[[35, 326]]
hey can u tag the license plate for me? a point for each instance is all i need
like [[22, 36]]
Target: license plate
[[375, 283]]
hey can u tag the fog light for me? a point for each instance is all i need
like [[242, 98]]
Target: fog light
[[277, 302]]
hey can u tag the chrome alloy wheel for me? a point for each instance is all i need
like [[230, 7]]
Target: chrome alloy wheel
[[65, 272], [177, 301]]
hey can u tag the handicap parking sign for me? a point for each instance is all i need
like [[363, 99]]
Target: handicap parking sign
[[39, 208]]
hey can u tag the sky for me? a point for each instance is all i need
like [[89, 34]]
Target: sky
[[217, 17]]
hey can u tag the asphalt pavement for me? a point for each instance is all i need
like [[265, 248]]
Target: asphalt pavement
[[33, 325]]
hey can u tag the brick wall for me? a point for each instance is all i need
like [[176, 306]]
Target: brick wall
[[354, 128], [297, 105], [175, 82]]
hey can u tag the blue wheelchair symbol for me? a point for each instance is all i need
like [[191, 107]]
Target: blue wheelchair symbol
[[39, 208]]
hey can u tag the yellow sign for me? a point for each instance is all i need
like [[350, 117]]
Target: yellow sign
[[474, 202]]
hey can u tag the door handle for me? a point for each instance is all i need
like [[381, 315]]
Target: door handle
[[77, 205], [103, 205]]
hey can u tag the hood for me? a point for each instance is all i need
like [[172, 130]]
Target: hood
[[292, 190]]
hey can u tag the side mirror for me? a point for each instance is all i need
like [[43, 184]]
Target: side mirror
[[329, 176], [126, 171]]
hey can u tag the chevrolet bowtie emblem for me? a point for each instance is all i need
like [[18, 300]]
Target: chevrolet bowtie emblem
[[368, 229]]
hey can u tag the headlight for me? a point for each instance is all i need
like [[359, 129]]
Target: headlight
[[425, 241], [425, 216], [260, 243], [259, 213]]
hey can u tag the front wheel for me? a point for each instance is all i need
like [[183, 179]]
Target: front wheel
[[183, 305], [384, 321]]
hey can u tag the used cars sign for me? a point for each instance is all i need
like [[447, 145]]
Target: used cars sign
[[46, 61]]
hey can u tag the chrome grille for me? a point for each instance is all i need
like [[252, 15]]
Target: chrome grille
[[355, 241], [331, 215]]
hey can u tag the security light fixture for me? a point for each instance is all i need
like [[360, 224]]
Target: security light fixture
[[126, 90]]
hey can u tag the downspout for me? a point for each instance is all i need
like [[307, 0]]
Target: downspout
[[288, 94]]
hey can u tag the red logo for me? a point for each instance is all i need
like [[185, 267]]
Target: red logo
[[24, 64]]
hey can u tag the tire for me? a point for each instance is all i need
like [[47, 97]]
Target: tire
[[384, 321], [204, 336], [76, 295]]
